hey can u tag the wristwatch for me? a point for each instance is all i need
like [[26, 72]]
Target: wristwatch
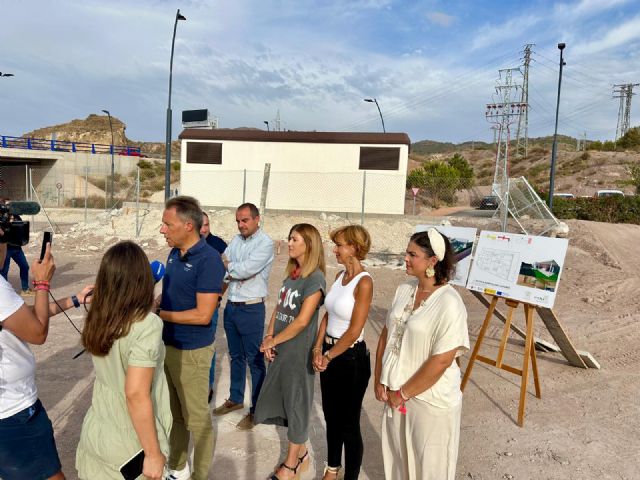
[[76, 302], [326, 354]]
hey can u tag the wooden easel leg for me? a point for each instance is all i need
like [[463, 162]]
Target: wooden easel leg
[[528, 345], [534, 365], [476, 348], [505, 333]]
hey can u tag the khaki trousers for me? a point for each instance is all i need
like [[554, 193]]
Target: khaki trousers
[[187, 374]]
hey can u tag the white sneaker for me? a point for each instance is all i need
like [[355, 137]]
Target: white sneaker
[[183, 474]]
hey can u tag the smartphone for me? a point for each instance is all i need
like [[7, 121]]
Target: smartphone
[[132, 468], [47, 238]]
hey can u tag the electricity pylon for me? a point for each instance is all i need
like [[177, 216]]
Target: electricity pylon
[[503, 113], [624, 92], [522, 134]]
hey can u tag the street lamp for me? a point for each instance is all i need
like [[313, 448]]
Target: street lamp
[[267, 124], [554, 149], [167, 172], [373, 100], [112, 166], [6, 74]]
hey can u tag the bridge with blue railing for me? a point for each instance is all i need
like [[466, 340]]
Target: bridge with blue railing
[[70, 147]]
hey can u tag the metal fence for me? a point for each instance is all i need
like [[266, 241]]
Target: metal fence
[[354, 195]]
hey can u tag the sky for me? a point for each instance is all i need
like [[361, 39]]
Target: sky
[[431, 65]]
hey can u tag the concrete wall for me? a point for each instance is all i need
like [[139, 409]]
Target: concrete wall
[[51, 168], [304, 176]]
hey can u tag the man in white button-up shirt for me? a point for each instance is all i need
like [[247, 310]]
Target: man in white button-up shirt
[[249, 257]]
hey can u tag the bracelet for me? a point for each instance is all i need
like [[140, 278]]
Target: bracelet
[[316, 349], [76, 302], [402, 395], [326, 354], [35, 283], [44, 288]]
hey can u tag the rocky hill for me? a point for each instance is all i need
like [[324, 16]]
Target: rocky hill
[[577, 172], [95, 129]]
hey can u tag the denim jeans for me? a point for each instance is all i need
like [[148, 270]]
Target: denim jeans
[[343, 385], [17, 255], [212, 370], [244, 326]]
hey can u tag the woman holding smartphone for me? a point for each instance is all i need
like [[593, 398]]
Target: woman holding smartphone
[[27, 446], [130, 406]]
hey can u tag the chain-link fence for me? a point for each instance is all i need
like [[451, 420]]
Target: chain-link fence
[[354, 195]]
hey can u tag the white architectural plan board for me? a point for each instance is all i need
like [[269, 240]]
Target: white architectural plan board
[[462, 240], [522, 267]]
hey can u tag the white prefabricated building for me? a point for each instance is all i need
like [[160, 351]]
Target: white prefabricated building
[[317, 171]]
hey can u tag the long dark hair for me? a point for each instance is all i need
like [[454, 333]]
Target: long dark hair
[[446, 267], [123, 294]]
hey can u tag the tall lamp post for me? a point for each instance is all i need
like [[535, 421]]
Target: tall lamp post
[[554, 149], [167, 172], [373, 100], [112, 163], [267, 124]]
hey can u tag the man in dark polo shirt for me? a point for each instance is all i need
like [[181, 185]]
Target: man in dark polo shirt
[[191, 289]]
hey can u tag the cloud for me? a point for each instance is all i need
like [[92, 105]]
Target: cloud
[[490, 35], [586, 8], [619, 35], [441, 19]]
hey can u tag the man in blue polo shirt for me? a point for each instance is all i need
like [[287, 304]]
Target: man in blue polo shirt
[[191, 289]]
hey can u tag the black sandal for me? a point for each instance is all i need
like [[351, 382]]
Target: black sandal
[[291, 469], [304, 466]]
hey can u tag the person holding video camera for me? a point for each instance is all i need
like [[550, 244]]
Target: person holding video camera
[[15, 253], [130, 408], [27, 445]]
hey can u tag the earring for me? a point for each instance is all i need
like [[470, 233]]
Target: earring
[[430, 272]]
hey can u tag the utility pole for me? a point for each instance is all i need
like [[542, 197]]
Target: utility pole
[[554, 148], [522, 134], [503, 113], [624, 92]]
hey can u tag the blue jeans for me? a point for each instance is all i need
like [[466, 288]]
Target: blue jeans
[[244, 326], [212, 370], [18, 256]]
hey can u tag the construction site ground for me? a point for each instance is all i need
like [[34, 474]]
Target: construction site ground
[[584, 427]]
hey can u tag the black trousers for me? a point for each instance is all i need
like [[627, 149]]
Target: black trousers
[[343, 385]]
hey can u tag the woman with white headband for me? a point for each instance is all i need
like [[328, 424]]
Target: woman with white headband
[[415, 373]]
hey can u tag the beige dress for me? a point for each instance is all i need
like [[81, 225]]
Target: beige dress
[[108, 438], [423, 443]]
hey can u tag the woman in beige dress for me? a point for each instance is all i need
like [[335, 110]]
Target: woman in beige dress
[[415, 374]]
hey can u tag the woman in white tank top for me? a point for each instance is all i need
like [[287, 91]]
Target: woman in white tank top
[[341, 355]]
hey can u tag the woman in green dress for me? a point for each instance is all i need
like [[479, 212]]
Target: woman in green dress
[[130, 406]]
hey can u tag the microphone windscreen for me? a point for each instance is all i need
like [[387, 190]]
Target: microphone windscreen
[[157, 268], [24, 208]]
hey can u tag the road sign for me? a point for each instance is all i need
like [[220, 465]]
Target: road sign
[[415, 191]]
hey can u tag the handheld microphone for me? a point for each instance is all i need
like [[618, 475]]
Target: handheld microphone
[[157, 269], [24, 208]]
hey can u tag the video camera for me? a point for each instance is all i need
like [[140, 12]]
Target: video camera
[[16, 232]]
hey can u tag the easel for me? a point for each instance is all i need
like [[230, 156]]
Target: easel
[[529, 351]]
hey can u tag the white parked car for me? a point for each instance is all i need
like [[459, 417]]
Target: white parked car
[[609, 193], [564, 195]]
